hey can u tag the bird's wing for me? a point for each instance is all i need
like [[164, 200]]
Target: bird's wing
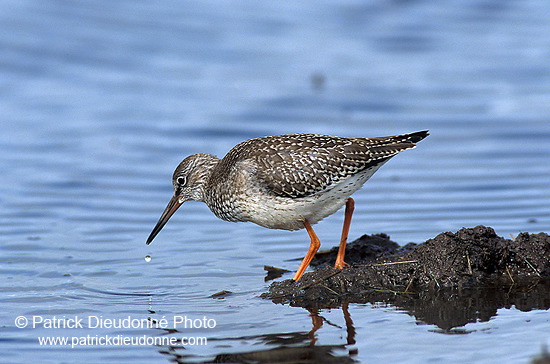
[[304, 165]]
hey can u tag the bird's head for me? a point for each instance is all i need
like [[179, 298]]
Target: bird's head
[[189, 180]]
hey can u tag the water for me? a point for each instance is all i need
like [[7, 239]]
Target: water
[[101, 100]]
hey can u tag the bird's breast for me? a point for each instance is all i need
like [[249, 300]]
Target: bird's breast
[[257, 205]]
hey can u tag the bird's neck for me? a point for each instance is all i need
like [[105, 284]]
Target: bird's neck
[[203, 174]]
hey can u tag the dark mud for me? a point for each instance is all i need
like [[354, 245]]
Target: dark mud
[[450, 280]]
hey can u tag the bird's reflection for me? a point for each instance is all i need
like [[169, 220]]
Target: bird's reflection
[[292, 347], [449, 312], [317, 323], [448, 309]]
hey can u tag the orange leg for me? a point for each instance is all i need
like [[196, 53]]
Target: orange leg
[[317, 323], [349, 324], [313, 247], [350, 205]]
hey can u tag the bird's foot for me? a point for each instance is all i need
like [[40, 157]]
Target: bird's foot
[[340, 264]]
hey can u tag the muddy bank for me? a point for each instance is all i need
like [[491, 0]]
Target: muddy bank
[[473, 264]]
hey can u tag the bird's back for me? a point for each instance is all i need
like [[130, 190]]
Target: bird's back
[[298, 165]]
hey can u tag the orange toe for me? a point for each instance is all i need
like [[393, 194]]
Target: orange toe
[[340, 265]]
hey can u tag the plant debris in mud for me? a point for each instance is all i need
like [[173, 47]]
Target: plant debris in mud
[[469, 258]]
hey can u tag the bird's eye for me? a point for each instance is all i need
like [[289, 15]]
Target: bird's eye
[[181, 181]]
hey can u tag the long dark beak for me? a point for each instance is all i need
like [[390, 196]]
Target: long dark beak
[[172, 206]]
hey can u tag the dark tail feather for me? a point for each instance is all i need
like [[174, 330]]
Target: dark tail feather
[[415, 137], [407, 140], [387, 147]]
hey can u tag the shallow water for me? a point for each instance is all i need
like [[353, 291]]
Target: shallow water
[[101, 101]]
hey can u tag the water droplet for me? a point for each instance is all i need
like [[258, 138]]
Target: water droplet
[[148, 258]]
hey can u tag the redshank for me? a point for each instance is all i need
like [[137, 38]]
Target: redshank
[[285, 182]]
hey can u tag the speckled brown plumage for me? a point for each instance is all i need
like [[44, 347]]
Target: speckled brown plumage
[[298, 165], [283, 182]]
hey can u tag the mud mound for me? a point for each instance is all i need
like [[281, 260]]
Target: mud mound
[[470, 257], [379, 268], [366, 249]]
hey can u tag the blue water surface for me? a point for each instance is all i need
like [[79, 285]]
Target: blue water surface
[[101, 100]]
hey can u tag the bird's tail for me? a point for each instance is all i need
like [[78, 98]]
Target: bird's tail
[[411, 138], [383, 148]]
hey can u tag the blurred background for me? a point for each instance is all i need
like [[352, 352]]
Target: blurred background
[[100, 100]]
